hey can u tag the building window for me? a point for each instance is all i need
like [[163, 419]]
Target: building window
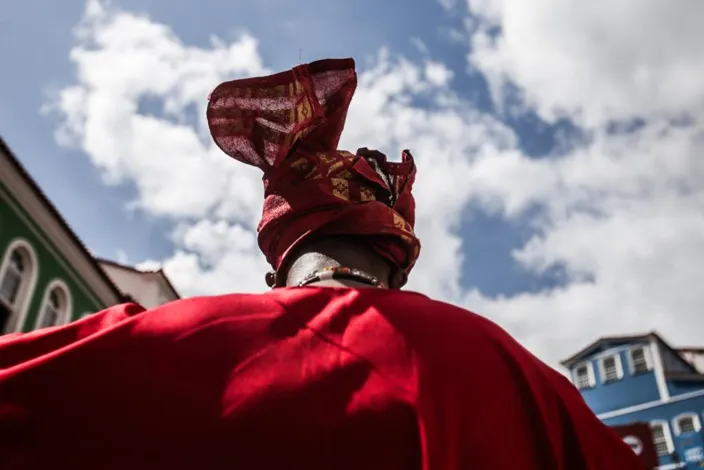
[[56, 307], [686, 422], [13, 276], [584, 375], [662, 437], [18, 274], [610, 368], [640, 360]]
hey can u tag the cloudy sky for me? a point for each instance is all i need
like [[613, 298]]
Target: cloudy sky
[[559, 143]]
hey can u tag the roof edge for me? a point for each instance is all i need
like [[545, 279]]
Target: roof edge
[[159, 272], [14, 161], [626, 338]]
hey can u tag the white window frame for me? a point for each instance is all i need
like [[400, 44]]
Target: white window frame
[[695, 420], [590, 374], [669, 443], [646, 354], [66, 315], [619, 368], [19, 313]]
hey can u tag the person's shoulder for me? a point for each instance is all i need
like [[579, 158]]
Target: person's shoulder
[[217, 307], [219, 302], [443, 333], [418, 311]]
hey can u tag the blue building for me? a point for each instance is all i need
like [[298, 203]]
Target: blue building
[[631, 379]]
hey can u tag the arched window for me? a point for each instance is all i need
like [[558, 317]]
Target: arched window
[[15, 272], [56, 306], [686, 422], [18, 275]]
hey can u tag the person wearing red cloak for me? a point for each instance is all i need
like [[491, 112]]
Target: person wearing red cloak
[[334, 368]]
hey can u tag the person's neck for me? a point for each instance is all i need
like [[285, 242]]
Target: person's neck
[[336, 252]]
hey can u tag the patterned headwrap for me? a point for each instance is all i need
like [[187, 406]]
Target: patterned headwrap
[[289, 125]]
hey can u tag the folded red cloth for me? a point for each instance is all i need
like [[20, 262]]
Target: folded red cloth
[[300, 378], [289, 125]]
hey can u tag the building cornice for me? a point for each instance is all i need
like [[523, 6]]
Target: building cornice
[[57, 235]]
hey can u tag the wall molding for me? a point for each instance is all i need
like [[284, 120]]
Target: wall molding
[[650, 404]]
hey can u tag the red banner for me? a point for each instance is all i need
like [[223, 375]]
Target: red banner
[[640, 438]]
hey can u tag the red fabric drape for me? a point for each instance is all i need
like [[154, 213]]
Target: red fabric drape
[[309, 378], [289, 125]]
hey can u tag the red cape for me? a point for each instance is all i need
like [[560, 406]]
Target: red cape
[[311, 378]]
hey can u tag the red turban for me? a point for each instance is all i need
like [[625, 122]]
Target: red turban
[[289, 125]]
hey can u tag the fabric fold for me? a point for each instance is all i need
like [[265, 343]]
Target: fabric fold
[[289, 125]]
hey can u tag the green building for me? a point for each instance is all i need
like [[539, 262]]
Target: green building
[[47, 276]]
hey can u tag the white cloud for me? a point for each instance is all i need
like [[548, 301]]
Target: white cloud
[[217, 257], [437, 74], [592, 60], [122, 61], [621, 214]]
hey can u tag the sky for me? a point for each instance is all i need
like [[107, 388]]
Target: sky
[[559, 143]]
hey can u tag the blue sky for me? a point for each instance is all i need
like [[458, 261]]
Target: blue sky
[[565, 206]]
